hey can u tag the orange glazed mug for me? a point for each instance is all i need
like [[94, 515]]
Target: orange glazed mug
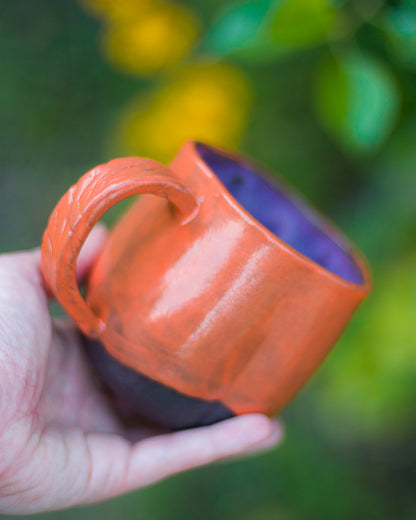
[[219, 296]]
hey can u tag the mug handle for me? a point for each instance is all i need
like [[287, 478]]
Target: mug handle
[[80, 209]]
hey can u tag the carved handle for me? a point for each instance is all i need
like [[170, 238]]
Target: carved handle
[[80, 209]]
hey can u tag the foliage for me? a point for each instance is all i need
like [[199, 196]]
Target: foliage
[[356, 100], [269, 29]]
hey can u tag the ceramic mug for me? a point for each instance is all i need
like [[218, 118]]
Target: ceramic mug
[[219, 296]]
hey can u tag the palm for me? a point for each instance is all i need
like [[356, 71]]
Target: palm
[[53, 380], [70, 396], [61, 444]]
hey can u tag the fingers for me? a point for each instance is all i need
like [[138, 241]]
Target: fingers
[[64, 467], [117, 467], [90, 250], [271, 442]]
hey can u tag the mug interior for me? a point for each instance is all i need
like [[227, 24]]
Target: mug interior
[[283, 215]]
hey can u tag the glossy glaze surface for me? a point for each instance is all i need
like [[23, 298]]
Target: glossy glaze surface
[[283, 214], [212, 304]]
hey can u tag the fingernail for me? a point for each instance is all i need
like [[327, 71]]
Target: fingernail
[[251, 429], [261, 431]]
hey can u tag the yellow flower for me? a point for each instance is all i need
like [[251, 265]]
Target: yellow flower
[[157, 37], [205, 102]]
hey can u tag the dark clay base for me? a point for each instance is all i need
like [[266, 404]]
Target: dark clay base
[[152, 400]]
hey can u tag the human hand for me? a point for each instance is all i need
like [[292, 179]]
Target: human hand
[[61, 444]]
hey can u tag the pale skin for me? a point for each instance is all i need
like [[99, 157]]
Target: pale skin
[[61, 442]]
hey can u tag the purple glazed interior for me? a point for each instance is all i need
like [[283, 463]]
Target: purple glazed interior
[[283, 215]]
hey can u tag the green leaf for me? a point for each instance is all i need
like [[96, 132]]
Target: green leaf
[[268, 29], [357, 101], [237, 27], [400, 27]]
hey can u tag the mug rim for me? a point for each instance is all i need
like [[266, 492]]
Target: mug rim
[[324, 224]]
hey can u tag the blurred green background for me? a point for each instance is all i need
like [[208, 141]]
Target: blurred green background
[[323, 92]]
